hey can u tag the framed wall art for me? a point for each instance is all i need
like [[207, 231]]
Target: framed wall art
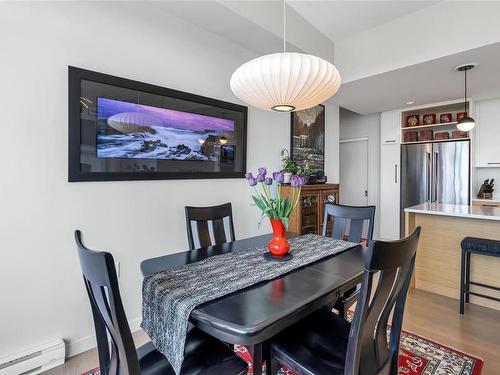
[[121, 129], [307, 144]]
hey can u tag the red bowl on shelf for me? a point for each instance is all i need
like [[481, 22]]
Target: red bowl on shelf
[[411, 136], [441, 135], [426, 135], [412, 120], [461, 115], [459, 134], [429, 119], [445, 117]]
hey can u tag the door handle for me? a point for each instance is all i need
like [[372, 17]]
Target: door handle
[[493, 163], [395, 173], [390, 141]]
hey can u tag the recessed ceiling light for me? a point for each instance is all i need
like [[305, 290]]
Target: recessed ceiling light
[[410, 102]]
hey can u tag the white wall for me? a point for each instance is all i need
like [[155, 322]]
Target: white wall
[[40, 282], [332, 142], [440, 30], [353, 125]]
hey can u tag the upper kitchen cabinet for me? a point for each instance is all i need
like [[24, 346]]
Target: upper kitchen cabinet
[[488, 133], [390, 127]]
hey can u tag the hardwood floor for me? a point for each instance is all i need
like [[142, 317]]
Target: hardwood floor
[[476, 332], [88, 360], [426, 314]]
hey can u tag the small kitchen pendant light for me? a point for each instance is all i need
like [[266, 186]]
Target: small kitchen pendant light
[[285, 81], [465, 123]]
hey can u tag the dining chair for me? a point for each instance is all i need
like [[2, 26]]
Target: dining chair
[[327, 344], [203, 353], [207, 226], [349, 223]]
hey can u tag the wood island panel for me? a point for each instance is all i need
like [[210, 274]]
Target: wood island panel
[[437, 267]]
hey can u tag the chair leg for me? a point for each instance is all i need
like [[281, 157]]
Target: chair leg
[[266, 352], [467, 276], [340, 307], [274, 366], [462, 281]]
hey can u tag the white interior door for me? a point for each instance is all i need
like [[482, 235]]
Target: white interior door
[[354, 172]]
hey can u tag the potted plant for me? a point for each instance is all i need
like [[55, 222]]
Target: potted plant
[[269, 199], [288, 166], [305, 170]]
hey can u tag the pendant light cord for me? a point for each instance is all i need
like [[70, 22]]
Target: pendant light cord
[[465, 94], [284, 25]]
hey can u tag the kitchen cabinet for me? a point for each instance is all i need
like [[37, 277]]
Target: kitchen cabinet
[[390, 156], [390, 127], [488, 134]]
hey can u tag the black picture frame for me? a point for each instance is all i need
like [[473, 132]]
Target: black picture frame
[[297, 156], [75, 172]]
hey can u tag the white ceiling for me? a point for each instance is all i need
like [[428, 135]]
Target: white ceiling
[[255, 25], [341, 19], [429, 82], [214, 17], [252, 25]]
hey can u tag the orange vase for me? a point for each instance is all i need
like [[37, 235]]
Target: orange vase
[[278, 246]]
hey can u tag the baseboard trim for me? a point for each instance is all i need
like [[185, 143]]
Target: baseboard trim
[[89, 342]]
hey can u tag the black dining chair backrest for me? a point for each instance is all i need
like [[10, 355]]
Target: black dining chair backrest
[[99, 275], [202, 221], [368, 352], [352, 216]]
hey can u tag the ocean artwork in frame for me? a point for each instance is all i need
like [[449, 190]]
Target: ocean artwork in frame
[[121, 129], [307, 144]]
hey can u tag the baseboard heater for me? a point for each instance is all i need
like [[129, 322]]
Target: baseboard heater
[[35, 360]]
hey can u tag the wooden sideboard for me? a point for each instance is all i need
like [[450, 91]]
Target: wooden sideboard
[[307, 217]]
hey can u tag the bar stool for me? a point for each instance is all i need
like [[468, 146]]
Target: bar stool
[[481, 246]]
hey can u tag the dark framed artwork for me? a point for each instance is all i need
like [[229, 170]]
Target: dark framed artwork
[[307, 135], [121, 129]]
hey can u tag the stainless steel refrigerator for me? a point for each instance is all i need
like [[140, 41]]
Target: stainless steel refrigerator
[[435, 172]]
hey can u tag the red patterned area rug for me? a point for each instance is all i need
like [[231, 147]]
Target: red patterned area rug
[[417, 356]]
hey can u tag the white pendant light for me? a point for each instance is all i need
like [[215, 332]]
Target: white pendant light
[[286, 81], [465, 123]]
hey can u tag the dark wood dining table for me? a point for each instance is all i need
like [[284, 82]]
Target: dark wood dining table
[[252, 316]]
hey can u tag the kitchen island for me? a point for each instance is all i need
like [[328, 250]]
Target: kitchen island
[[437, 267]]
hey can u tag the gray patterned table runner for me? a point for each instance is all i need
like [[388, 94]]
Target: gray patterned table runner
[[169, 296]]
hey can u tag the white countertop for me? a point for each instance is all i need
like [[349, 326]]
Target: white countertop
[[471, 212]]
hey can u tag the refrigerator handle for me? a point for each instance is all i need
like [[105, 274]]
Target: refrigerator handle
[[395, 173], [428, 177], [436, 175]]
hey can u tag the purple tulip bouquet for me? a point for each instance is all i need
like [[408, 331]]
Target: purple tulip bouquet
[[268, 196]]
